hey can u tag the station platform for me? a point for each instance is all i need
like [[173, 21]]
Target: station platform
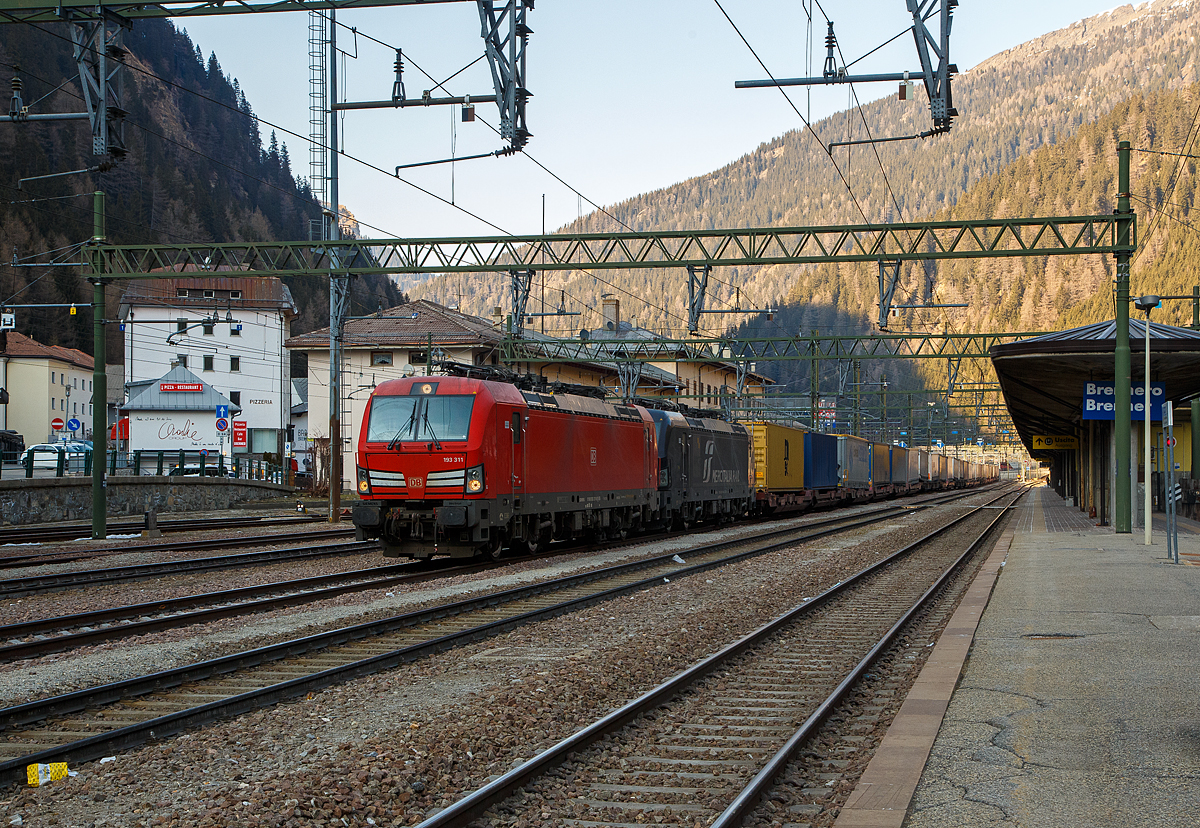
[[1067, 697]]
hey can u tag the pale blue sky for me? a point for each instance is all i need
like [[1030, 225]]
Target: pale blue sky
[[629, 95]]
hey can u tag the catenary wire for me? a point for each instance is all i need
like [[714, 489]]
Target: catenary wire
[[287, 131], [361, 161], [599, 208]]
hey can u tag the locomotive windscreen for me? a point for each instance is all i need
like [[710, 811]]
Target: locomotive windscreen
[[443, 417]]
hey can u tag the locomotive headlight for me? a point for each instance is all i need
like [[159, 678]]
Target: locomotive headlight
[[364, 481], [474, 483]]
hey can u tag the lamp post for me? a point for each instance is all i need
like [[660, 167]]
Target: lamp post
[[1147, 303]]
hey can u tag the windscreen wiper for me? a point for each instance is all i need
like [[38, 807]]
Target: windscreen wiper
[[431, 431], [395, 441]]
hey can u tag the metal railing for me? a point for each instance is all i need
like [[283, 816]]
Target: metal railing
[[142, 463]]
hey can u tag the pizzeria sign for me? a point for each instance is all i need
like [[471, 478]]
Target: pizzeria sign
[[194, 387]]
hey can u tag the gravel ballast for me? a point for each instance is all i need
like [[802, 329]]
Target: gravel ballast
[[390, 748]]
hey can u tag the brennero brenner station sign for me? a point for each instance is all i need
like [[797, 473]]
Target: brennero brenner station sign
[[1099, 401]]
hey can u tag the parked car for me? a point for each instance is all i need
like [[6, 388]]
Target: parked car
[[193, 470], [45, 455]]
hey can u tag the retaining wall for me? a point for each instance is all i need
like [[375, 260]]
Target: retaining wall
[[49, 499]]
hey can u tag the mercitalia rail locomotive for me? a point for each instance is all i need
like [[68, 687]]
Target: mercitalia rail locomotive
[[480, 460]]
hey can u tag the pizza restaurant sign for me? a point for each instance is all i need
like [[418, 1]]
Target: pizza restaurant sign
[[193, 387], [1100, 401]]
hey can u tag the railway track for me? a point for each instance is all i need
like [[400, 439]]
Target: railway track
[[50, 635], [46, 559], [33, 584], [47, 534], [94, 722], [705, 746]]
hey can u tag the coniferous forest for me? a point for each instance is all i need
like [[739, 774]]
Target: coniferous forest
[[1036, 136], [198, 170]]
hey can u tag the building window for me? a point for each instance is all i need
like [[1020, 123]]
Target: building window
[[208, 327], [381, 358], [235, 330], [208, 362], [210, 294], [53, 402], [416, 357], [235, 294], [235, 397], [53, 377], [75, 382], [89, 409], [182, 359], [235, 363], [180, 325], [181, 293], [89, 385]]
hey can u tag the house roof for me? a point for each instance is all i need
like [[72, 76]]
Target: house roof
[[300, 386], [265, 292], [148, 395], [407, 325], [16, 345]]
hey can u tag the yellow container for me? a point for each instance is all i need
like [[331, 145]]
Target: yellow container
[[778, 457]]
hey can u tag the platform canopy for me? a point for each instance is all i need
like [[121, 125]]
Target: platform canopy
[[1043, 378]]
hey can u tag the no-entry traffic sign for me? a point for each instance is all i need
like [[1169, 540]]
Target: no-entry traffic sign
[[57, 424]]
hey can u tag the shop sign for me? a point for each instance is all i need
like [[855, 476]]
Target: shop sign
[[239, 434], [193, 387]]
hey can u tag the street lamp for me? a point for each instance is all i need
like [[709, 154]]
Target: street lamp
[[1147, 303]]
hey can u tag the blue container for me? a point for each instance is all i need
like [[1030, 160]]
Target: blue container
[[820, 461]]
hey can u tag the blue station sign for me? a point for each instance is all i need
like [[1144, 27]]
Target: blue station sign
[[1099, 401]]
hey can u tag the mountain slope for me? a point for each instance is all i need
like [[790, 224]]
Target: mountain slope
[[1040, 93]]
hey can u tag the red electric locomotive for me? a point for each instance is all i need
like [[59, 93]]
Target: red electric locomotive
[[462, 465]]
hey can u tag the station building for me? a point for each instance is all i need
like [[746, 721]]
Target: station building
[[1059, 391]]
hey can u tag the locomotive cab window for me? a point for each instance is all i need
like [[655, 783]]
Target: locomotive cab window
[[411, 419]]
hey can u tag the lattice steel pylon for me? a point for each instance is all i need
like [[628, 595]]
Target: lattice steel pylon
[[318, 123]]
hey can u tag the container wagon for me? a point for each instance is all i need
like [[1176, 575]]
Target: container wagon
[[779, 465], [854, 461], [821, 469], [881, 470]]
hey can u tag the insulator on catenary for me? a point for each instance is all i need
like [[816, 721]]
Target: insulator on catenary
[[398, 84]]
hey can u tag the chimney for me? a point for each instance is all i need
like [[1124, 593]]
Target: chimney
[[612, 312]]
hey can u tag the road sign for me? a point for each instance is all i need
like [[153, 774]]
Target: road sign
[[204, 452], [74, 425], [1170, 441], [222, 424], [57, 424], [222, 412], [1055, 442]]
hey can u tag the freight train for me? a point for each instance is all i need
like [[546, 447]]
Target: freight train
[[481, 460]]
